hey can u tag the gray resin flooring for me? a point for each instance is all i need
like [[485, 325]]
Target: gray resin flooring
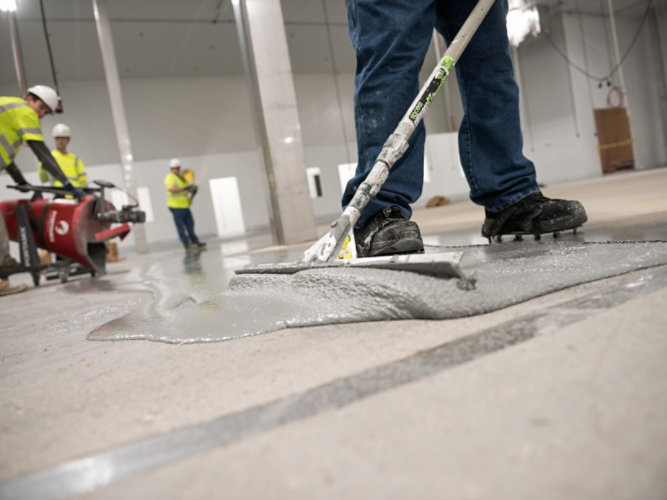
[[558, 390]]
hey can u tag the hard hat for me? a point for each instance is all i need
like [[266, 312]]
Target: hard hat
[[175, 162], [46, 94], [61, 130]]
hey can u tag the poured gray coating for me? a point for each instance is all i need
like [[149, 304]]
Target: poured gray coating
[[505, 274]]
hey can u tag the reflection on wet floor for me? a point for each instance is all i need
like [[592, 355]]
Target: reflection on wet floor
[[192, 263], [234, 247], [630, 230], [465, 238], [209, 303]]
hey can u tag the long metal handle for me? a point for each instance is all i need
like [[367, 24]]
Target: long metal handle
[[329, 245]]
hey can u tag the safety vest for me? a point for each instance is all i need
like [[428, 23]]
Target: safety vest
[[177, 200], [72, 167], [18, 123]]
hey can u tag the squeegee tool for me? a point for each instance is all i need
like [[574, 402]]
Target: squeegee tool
[[440, 265], [326, 251]]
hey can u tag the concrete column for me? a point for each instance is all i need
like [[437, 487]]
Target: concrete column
[[264, 50], [118, 112], [661, 79]]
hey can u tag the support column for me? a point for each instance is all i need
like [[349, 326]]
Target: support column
[[273, 100], [660, 71], [118, 111]]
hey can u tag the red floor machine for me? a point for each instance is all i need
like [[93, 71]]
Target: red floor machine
[[76, 231]]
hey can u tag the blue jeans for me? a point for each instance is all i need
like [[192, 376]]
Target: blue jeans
[[185, 225], [391, 38]]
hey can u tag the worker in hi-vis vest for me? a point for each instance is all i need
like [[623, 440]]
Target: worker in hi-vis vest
[[179, 199], [69, 163], [19, 123]]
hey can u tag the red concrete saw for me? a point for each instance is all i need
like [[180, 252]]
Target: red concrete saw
[[76, 230]]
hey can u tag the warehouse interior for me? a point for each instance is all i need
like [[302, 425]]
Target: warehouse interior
[[171, 376]]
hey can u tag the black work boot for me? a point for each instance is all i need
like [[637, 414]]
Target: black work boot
[[387, 233], [10, 264], [535, 214]]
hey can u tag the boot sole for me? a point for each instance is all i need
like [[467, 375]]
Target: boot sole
[[555, 226], [405, 245]]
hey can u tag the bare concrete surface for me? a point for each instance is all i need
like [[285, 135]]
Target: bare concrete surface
[[562, 396], [565, 416]]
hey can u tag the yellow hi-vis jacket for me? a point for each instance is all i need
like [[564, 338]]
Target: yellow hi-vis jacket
[[18, 123], [72, 167], [177, 200]]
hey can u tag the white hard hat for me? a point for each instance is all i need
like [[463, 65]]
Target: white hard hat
[[61, 130], [46, 94], [175, 162]]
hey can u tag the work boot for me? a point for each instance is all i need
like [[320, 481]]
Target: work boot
[[7, 289], [10, 264], [387, 233], [535, 214], [201, 245]]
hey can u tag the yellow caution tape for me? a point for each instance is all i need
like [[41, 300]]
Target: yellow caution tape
[[615, 144]]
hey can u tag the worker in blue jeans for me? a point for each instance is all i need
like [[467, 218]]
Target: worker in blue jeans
[[179, 200], [391, 38]]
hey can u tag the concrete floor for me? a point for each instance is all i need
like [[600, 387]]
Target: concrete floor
[[399, 409]]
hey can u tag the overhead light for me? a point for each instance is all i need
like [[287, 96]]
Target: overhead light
[[521, 22], [8, 5]]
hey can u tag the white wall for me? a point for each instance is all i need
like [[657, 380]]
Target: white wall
[[587, 46], [447, 179], [151, 174]]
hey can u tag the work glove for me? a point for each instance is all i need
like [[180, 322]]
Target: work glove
[[74, 190]]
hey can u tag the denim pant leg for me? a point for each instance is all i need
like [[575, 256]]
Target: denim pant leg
[[490, 138], [190, 226], [179, 219], [390, 38]]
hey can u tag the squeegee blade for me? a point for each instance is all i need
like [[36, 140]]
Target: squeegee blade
[[438, 264]]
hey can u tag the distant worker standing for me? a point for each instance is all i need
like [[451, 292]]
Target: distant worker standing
[[69, 163], [179, 199], [19, 123]]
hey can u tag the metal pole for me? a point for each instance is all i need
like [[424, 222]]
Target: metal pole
[[334, 72], [614, 37], [118, 111], [571, 85], [439, 51], [524, 110], [16, 52]]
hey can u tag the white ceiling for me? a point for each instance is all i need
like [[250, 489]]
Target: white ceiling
[[185, 38], [164, 38]]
